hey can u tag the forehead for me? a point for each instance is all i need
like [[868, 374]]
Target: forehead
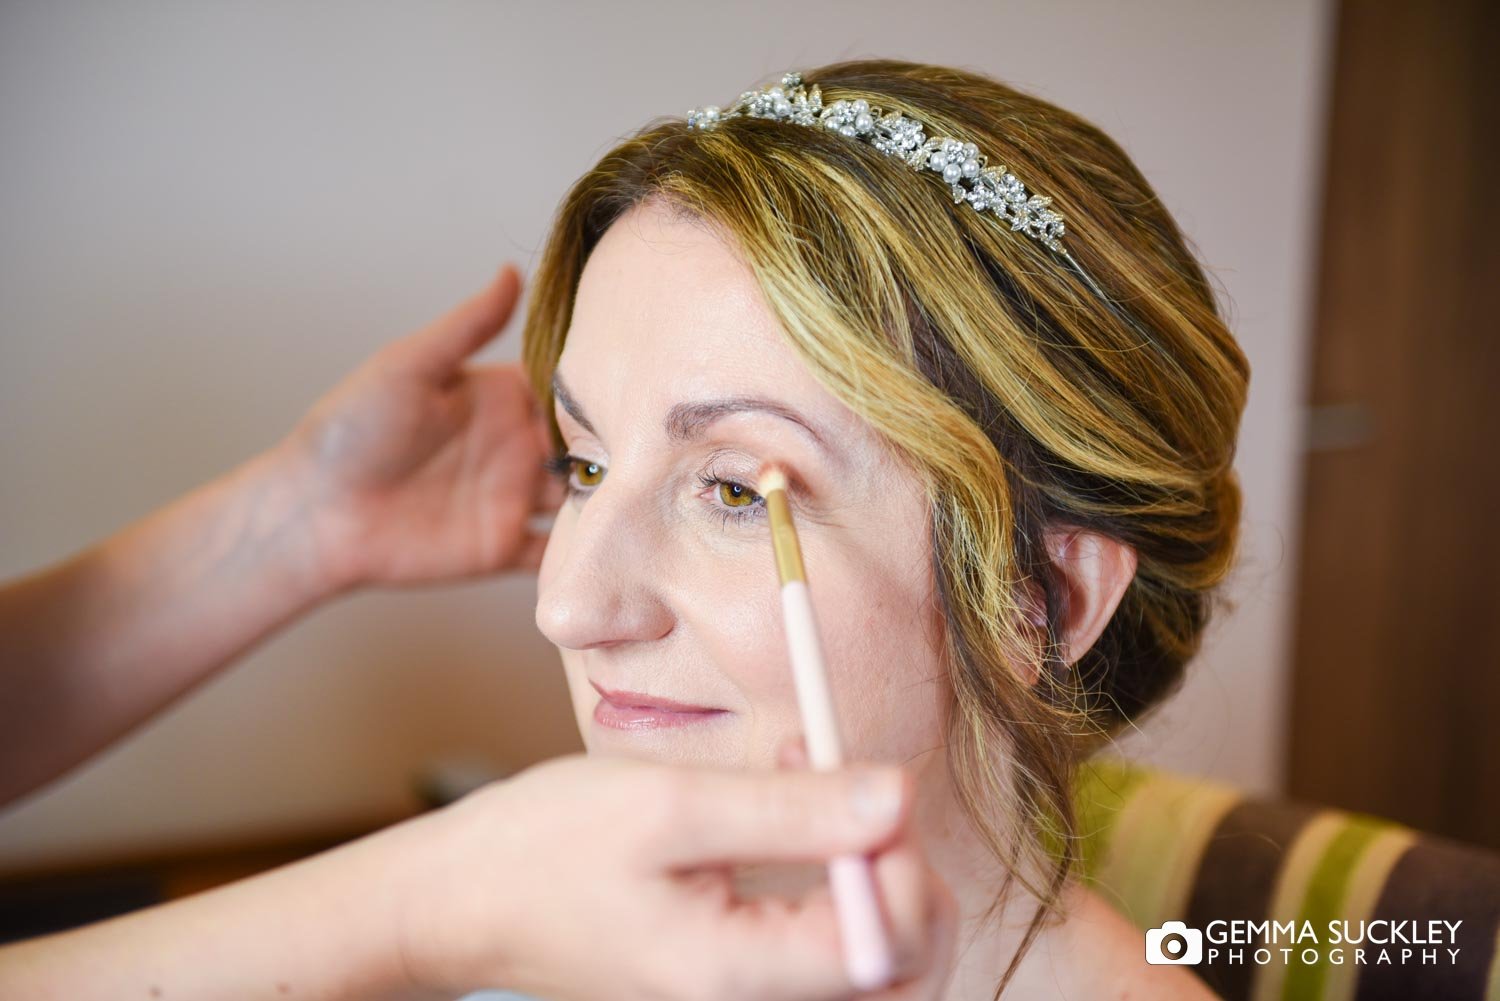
[[665, 302]]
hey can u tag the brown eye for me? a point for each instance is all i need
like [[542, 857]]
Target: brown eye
[[589, 473], [734, 495]]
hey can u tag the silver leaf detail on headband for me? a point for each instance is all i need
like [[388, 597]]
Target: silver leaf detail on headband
[[961, 165]]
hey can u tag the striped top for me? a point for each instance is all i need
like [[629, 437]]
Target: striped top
[[1162, 847]]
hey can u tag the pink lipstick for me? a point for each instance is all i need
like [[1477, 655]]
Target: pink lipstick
[[639, 711]]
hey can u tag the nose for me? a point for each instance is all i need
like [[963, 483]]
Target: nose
[[605, 589]]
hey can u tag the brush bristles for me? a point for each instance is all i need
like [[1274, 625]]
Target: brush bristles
[[771, 479]]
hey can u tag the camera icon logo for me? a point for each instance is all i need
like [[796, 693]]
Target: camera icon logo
[[1174, 944]]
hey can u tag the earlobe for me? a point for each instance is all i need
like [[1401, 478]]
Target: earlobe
[[1096, 570]]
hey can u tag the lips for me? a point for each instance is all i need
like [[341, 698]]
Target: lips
[[639, 700], [620, 710]]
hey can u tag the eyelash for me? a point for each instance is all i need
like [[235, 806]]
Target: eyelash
[[561, 465]]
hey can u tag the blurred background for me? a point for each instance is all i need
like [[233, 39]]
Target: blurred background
[[210, 212]]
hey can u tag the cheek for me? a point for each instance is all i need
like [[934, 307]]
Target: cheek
[[882, 643], [729, 605], [737, 615]]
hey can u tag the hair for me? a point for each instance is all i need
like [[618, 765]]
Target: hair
[[1021, 399]]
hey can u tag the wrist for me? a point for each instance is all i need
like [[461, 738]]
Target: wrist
[[382, 876], [453, 925], [316, 546]]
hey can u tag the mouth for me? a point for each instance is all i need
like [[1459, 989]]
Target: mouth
[[618, 710]]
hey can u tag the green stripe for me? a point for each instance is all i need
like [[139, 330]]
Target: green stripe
[[1143, 872], [1103, 788], [1324, 899]]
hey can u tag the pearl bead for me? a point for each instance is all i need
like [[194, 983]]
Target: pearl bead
[[783, 107], [971, 167], [863, 122], [776, 92], [847, 130], [711, 112], [952, 172], [938, 160]]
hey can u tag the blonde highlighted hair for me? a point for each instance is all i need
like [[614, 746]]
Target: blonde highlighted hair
[[1021, 399]]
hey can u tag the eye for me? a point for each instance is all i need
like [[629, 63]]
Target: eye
[[563, 466], [734, 495], [736, 502]]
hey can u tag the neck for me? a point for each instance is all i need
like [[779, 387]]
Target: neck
[[988, 939], [958, 853]]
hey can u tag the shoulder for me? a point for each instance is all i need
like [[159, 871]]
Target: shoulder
[[1110, 956]]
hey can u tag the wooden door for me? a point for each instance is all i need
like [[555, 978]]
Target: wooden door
[[1396, 692]]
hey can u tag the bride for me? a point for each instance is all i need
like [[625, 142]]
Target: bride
[[1008, 424]]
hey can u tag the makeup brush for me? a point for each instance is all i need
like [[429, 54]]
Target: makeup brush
[[867, 947]]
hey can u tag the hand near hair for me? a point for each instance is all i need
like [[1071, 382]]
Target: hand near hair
[[415, 468], [420, 468]]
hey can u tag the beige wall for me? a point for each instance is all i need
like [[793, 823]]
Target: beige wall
[[210, 212]]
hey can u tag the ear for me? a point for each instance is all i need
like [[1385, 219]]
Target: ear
[[1095, 571]]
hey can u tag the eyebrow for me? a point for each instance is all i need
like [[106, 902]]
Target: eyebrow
[[687, 422]]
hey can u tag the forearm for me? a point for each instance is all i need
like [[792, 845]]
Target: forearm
[[323, 928], [96, 645]]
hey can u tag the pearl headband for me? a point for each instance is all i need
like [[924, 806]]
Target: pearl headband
[[961, 165]]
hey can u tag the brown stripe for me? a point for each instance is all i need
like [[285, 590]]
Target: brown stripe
[[1237, 876], [1438, 879]]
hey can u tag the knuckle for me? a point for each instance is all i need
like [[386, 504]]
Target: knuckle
[[671, 796], [783, 807], [723, 981], [697, 974]]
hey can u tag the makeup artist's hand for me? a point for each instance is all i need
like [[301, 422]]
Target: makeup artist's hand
[[418, 467], [581, 878], [921, 907], [589, 877]]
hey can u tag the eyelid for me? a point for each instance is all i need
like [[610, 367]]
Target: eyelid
[[796, 486]]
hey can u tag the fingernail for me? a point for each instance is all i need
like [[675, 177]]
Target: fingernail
[[876, 796]]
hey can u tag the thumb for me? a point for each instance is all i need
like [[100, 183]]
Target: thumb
[[722, 817], [792, 753], [443, 345]]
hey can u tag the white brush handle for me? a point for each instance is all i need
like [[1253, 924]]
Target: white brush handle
[[867, 948]]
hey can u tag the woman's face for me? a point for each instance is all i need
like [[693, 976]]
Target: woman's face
[[674, 386]]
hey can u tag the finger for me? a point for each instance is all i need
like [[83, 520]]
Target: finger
[[725, 816], [792, 753], [901, 879], [938, 940], [923, 919], [772, 947], [944, 938], [794, 948], [921, 915], [443, 345]]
